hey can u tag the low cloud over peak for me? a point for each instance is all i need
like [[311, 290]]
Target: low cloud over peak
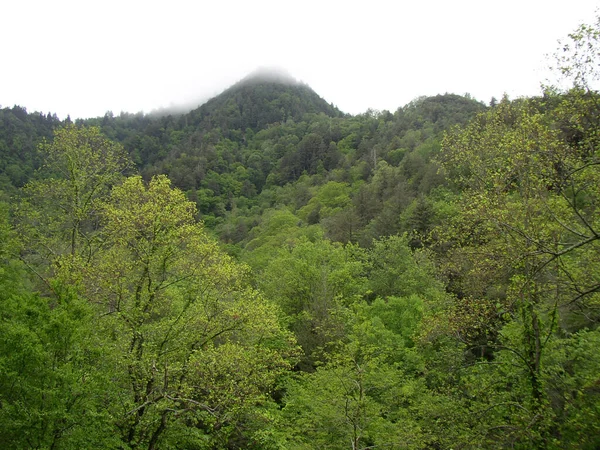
[[270, 74]]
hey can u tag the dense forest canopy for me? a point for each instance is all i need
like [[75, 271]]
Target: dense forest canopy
[[267, 272]]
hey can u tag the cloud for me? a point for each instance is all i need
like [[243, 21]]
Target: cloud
[[83, 58]]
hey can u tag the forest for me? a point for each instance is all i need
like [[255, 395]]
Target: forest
[[268, 272]]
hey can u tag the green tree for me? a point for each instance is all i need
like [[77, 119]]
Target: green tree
[[59, 213], [181, 317], [366, 395], [314, 283], [52, 378], [526, 243], [394, 270]]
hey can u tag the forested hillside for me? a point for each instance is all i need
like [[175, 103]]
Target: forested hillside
[[20, 134], [267, 272]]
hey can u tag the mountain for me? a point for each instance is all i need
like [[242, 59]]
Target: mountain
[[267, 129], [429, 276], [263, 98], [269, 74], [20, 134]]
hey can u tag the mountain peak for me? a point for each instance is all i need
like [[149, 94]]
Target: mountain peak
[[270, 74], [266, 96]]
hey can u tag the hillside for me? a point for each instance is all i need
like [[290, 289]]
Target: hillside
[[257, 101], [267, 131], [266, 272], [20, 134]]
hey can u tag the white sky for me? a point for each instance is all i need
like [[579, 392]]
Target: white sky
[[84, 58]]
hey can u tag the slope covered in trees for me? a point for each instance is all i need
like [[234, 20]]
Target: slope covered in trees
[[265, 272], [20, 134]]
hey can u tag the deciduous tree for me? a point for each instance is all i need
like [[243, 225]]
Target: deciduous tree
[[195, 347]]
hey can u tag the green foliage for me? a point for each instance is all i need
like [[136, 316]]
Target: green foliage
[[395, 271], [20, 134], [180, 315], [348, 404], [52, 383], [367, 393], [523, 251], [573, 387], [426, 278], [58, 214], [314, 283]]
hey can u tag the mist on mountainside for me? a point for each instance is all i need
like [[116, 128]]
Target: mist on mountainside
[[270, 74], [176, 109], [262, 74]]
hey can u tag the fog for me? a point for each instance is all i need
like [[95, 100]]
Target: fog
[[82, 59]]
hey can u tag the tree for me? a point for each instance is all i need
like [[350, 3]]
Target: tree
[[314, 283], [52, 377], [394, 270], [527, 242], [195, 349], [59, 213], [366, 395]]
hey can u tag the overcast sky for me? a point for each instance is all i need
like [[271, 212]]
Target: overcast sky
[[84, 58]]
